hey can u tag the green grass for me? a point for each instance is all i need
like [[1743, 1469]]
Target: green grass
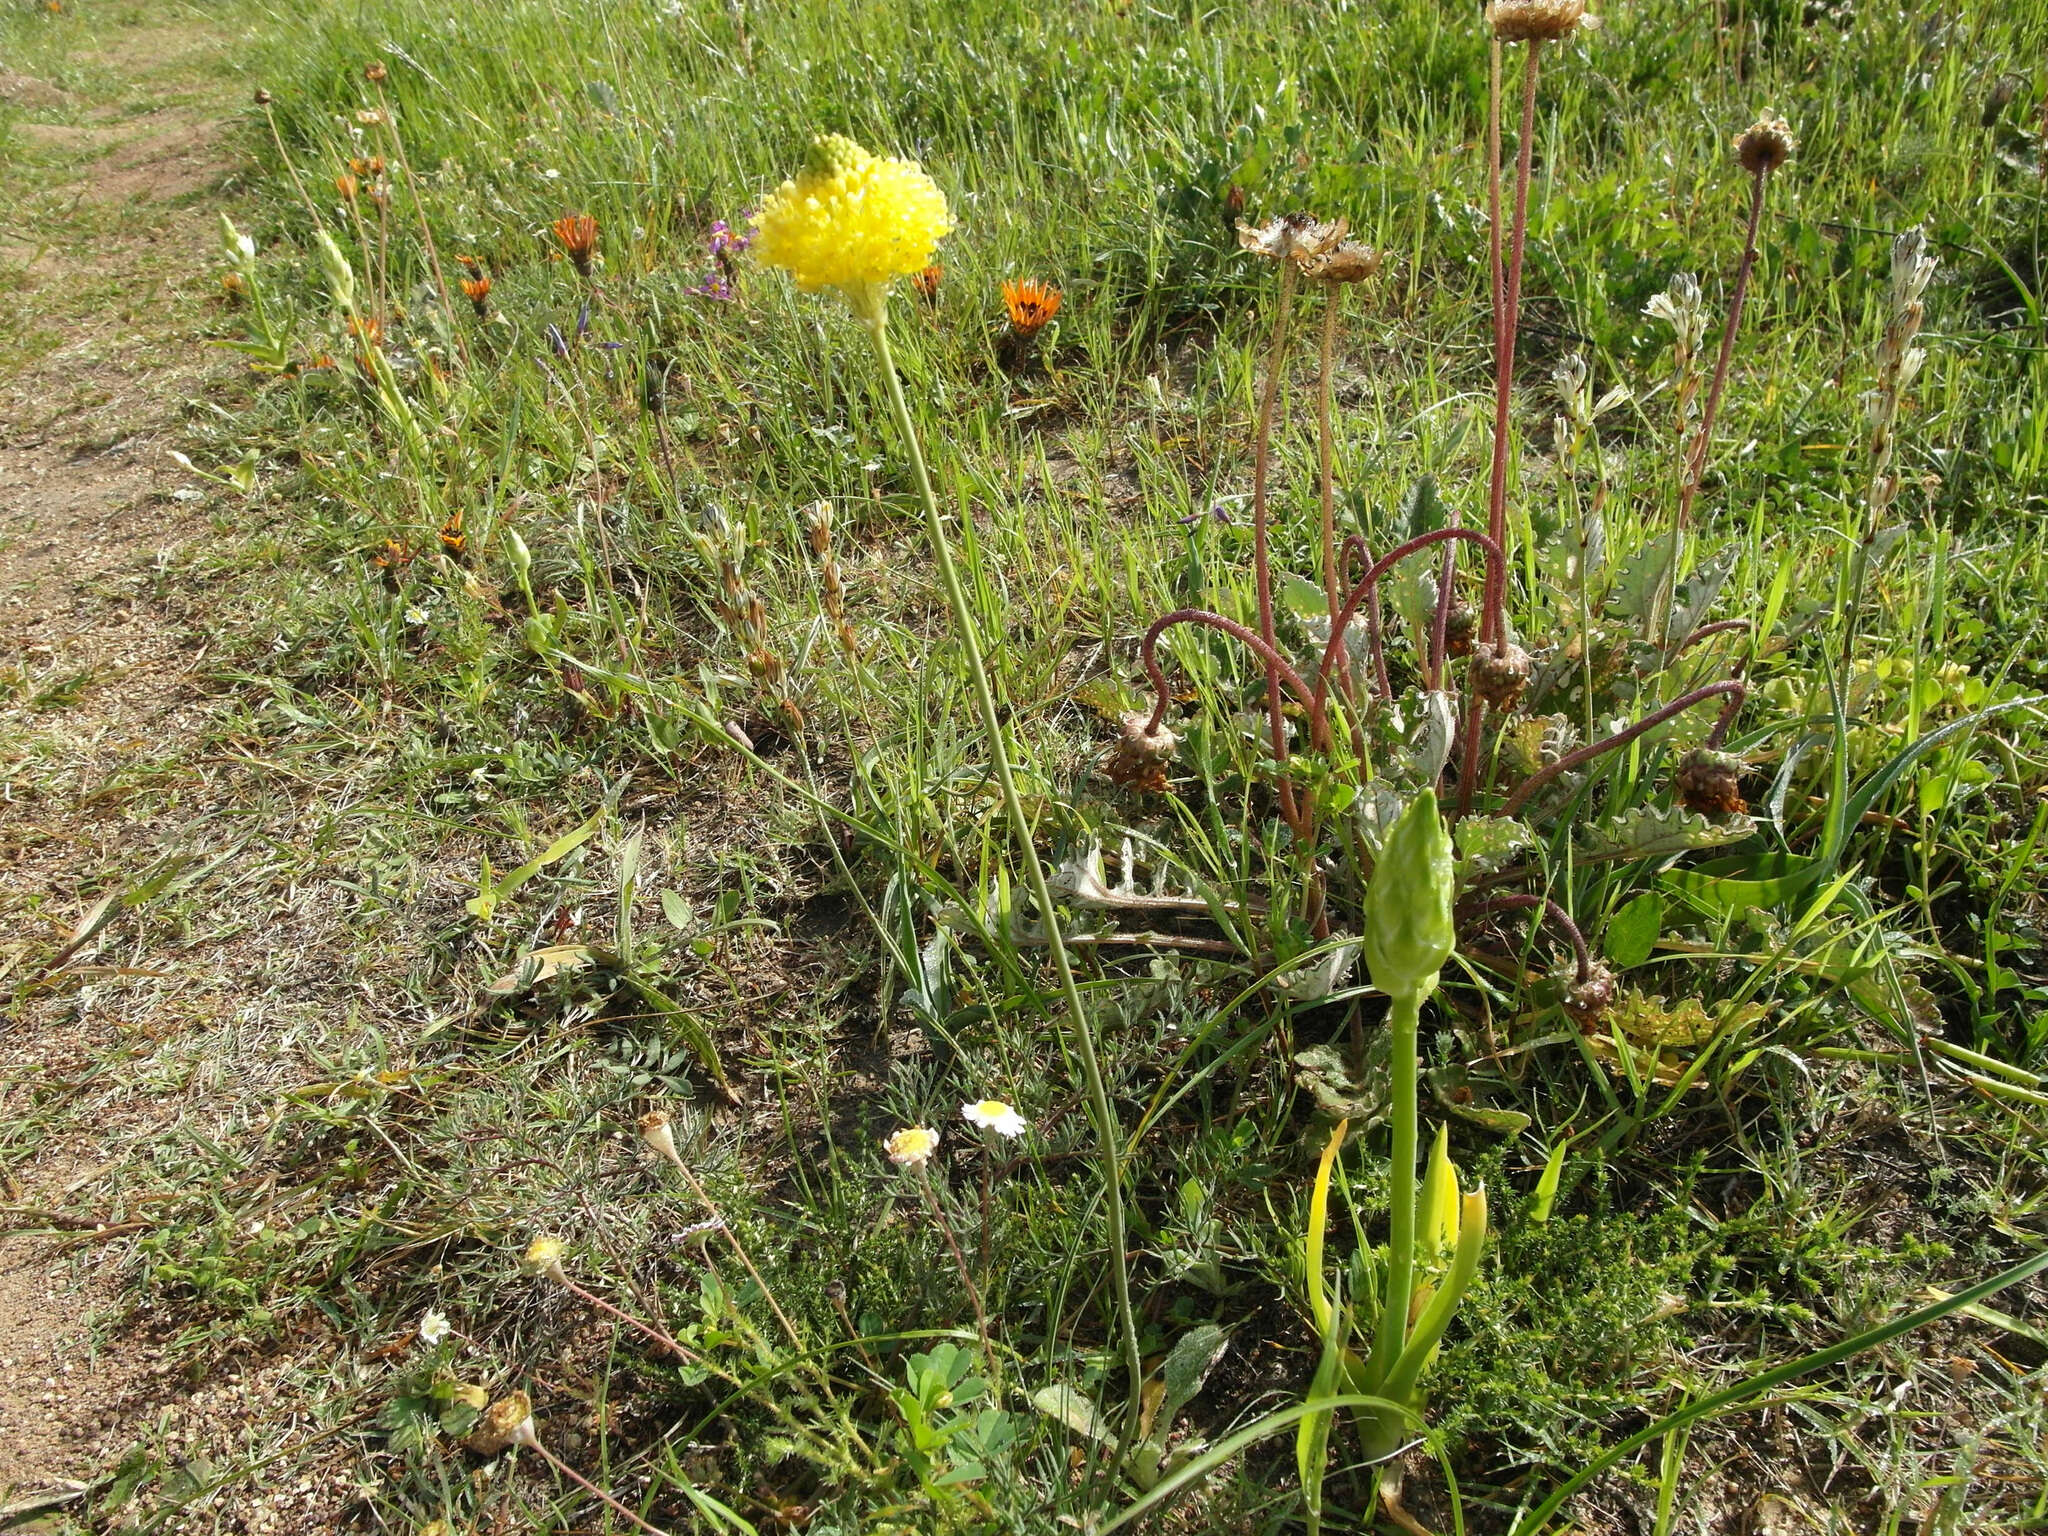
[[835, 914]]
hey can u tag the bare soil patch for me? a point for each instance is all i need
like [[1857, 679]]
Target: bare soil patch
[[97, 673]]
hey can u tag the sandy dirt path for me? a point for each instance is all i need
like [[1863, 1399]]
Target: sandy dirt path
[[123, 159]]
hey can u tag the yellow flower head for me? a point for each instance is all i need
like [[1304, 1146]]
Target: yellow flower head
[[851, 221], [912, 1147]]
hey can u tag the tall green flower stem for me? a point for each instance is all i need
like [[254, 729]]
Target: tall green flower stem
[[1409, 934], [874, 316], [1404, 1025]]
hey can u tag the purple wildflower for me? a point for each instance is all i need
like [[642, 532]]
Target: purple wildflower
[[727, 243]]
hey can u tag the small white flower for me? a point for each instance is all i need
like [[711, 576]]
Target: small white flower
[[434, 1327], [995, 1115]]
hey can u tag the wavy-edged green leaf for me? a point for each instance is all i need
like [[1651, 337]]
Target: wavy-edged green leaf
[[1650, 832]]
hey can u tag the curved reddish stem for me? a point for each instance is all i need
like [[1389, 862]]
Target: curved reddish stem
[[1356, 548], [1276, 665], [1366, 585], [1468, 761], [1706, 631], [1736, 691], [1550, 909], [1709, 631]]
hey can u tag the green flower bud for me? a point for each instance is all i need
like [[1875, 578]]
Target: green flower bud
[[520, 556], [1408, 929], [238, 247], [341, 277], [832, 154]]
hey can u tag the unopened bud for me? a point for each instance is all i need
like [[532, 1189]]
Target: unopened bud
[[658, 1132], [1710, 783], [341, 277], [1409, 932], [1501, 673], [1587, 1001]]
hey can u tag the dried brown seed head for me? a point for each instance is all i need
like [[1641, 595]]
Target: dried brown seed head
[[1349, 261], [1295, 237], [1537, 21], [1765, 145], [499, 1425]]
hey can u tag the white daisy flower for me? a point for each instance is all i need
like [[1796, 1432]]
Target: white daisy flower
[[995, 1115]]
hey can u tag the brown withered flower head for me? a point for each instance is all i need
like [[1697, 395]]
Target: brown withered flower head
[[1296, 237], [1710, 783], [1139, 758], [262, 97], [374, 72], [1349, 261], [1537, 21], [1765, 145], [578, 234], [497, 1427], [1500, 673], [394, 556]]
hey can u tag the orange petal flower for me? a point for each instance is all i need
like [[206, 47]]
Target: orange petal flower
[[578, 234], [1031, 304]]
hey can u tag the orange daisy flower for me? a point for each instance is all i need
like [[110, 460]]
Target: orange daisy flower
[[478, 291], [578, 234], [1031, 304], [927, 282]]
